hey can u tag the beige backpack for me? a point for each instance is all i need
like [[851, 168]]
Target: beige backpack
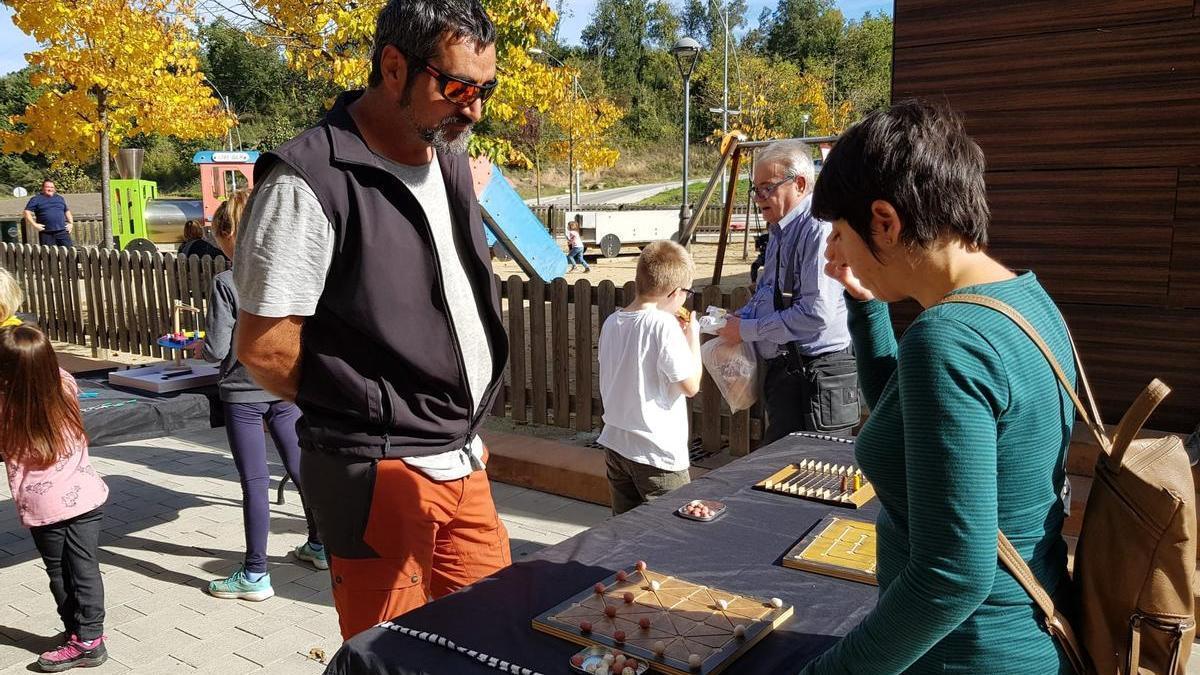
[[1131, 597]]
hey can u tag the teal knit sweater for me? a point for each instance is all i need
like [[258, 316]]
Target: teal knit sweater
[[968, 433]]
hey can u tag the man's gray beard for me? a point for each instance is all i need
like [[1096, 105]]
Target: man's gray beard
[[436, 137]]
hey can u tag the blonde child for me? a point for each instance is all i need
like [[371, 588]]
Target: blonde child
[[56, 490], [11, 298], [575, 247], [649, 365], [246, 407]]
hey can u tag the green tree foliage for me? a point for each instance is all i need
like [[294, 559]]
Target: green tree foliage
[[272, 102], [853, 58], [16, 93], [802, 31], [864, 75], [704, 20], [630, 39]]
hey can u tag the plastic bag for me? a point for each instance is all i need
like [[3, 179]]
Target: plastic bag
[[713, 321], [735, 370]]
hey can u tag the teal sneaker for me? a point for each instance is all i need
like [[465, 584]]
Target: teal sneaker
[[309, 554], [238, 587]]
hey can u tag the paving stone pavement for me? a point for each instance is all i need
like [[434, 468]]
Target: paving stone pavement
[[173, 522]]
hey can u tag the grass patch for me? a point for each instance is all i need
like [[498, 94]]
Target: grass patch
[[674, 196]]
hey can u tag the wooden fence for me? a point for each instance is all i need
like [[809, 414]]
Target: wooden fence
[[106, 299], [89, 230], [86, 232], [121, 301]]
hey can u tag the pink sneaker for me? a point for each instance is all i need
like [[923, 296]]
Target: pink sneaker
[[74, 654]]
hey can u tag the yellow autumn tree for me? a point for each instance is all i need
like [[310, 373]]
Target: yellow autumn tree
[[773, 95], [112, 68], [332, 40], [557, 119], [585, 123]]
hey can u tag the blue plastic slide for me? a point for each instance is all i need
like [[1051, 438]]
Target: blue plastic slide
[[508, 220]]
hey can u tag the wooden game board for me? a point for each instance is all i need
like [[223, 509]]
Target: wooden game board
[[686, 617], [837, 547], [837, 484]]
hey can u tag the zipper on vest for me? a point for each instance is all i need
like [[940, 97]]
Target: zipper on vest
[[385, 411], [474, 417]]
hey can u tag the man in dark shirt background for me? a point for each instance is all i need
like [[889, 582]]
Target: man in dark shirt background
[[49, 214]]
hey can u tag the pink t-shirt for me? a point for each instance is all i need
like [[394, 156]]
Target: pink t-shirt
[[62, 490], [574, 240]]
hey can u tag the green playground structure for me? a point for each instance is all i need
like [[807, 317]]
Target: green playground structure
[[142, 220]]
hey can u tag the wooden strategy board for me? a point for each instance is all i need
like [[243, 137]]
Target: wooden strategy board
[[837, 547], [685, 617], [837, 484]]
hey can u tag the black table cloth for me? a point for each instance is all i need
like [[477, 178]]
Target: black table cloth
[[113, 415], [740, 552]]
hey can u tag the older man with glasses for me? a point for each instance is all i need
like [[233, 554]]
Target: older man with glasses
[[367, 298], [797, 317]]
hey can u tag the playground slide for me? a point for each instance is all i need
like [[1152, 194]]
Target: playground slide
[[510, 222]]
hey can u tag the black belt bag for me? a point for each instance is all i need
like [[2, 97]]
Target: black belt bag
[[832, 400]]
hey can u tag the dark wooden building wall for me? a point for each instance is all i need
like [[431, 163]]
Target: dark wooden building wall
[[1089, 114]]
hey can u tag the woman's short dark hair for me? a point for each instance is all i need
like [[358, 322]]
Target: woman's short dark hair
[[916, 157], [415, 27], [192, 230]]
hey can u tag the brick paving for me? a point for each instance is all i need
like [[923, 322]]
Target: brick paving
[[173, 523]]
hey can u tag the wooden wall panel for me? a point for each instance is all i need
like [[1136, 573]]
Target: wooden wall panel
[[1185, 252], [1089, 114], [922, 22], [1121, 97], [1123, 348], [1098, 236]]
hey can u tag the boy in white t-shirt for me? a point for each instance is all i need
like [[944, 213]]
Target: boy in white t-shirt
[[649, 364]]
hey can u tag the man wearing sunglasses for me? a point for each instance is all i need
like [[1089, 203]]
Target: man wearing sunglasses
[[367, 298], [797, 317]]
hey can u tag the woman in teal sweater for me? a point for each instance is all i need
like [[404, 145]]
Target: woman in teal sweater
[[969, 427]]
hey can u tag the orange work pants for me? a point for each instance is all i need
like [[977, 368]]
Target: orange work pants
[[422, 538]]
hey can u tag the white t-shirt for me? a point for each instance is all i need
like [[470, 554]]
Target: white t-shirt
[[284, 250], [644, 355]]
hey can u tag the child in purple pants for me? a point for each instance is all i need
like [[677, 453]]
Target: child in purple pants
[[246, 408]]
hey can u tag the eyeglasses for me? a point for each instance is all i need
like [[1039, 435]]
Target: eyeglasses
[[455, 89], [761, 193], [691, 292]]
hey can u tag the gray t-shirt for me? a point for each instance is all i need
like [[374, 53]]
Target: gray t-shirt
[[284, 250]]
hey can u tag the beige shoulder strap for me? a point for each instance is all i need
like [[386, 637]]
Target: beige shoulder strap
[[1055, 622]]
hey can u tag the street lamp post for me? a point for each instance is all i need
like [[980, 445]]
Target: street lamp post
[[686, 52], [725, 84], [573, 177], [228, 111], [804, 121]]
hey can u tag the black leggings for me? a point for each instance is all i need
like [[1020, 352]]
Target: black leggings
[[68, 549]]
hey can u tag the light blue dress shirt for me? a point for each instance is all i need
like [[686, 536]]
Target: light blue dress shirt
[[816, 318]]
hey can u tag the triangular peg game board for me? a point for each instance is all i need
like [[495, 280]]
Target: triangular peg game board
[[675, 625]]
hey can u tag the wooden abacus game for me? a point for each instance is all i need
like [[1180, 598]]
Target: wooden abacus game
[[838, 484]]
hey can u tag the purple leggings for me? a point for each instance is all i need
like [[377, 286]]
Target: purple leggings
[[244, 427]]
